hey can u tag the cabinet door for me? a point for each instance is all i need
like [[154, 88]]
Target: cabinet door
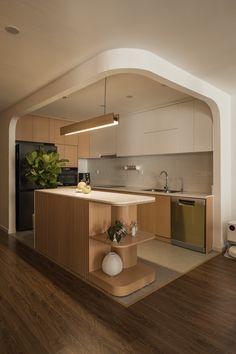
[[185, 122], [84, 145], [61, 151], [103, 142], [163, 216], [41, 129], [159, 131], [24, 129], [203, 127], [71, 139], [58, 138], [155, 217], [72, 155]]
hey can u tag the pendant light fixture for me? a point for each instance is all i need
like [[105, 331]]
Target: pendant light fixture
[[104, 121]]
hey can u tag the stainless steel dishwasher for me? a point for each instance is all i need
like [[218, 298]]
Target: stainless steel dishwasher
[[188, 223]]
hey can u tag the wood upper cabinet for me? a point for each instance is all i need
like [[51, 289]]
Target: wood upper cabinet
[[58, 138], [68, 152], [41, 129], [61, 150], [70, 139], [156, 217], [71, 154], [84, 145], [62, 139], [24, 128]]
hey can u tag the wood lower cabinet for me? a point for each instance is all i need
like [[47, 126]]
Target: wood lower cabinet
[[156, 217]]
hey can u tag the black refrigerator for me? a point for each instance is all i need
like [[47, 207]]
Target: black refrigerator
[[24, 188]]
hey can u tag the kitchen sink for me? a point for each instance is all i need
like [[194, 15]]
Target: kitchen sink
[[160, 190]]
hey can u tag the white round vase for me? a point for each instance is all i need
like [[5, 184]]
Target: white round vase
[[112, 264]]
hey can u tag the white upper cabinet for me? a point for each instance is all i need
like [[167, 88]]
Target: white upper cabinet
[[160, 131], [203, 127], [178, 128], [103, 142]]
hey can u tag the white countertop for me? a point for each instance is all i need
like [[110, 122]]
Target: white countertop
[[141, 191], [116, 199]]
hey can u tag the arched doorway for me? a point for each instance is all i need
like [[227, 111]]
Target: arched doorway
[[150, 65]]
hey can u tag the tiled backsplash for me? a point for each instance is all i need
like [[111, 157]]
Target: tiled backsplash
[[193, 170]]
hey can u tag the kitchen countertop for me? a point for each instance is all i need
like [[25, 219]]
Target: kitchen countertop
[[116, 199], [139, 190]]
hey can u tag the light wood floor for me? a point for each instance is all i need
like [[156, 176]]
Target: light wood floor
[[44, 309]]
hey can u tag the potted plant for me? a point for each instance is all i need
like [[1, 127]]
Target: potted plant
[[116, 232], [43, 168]]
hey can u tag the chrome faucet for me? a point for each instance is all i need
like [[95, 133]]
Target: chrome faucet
[[166, 187]]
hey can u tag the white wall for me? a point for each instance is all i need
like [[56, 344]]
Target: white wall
[[233, 159], [141, 62]]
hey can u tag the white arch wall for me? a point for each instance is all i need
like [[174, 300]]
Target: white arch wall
[[233, 158], [107, 63]]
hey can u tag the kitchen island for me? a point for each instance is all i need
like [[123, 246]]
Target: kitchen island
[[70, 229]]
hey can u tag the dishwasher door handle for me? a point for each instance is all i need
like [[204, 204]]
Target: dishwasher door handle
[[190, 203]]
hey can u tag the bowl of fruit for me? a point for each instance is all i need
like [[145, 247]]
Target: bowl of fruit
[[83, 187]]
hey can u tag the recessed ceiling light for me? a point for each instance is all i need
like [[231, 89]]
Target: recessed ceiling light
[[12, 29], [129, 96]]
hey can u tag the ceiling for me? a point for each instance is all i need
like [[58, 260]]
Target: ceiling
[[57, 35], [125, 93]]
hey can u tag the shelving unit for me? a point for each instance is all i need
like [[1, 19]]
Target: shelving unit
[[127, 241], [135, 274]]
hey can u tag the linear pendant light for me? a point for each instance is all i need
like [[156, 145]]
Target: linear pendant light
[[107, 120], [104, 121]]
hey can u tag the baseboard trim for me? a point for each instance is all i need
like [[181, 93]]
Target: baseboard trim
[[220, 249]]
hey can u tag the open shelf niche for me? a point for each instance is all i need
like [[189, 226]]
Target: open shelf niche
[[134, 275]]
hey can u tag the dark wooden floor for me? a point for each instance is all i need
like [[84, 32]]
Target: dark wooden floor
[[44, 309]]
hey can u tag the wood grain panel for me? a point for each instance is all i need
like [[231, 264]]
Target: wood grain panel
[[71, 154], [97, 251], [41, 228], [99, 218], [41, 129], [125, 283], [61, 151], [24, 128], [128, 255], [71, 139], [83, 145], [58, 138], [59, 232], [156, 217], [125, 214]]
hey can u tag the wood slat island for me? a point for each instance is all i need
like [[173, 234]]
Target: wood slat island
[[70, 229]]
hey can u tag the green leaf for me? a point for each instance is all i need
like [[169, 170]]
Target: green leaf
[[43, 167]]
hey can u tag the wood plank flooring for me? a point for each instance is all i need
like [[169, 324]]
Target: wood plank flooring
[[44, 309]]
